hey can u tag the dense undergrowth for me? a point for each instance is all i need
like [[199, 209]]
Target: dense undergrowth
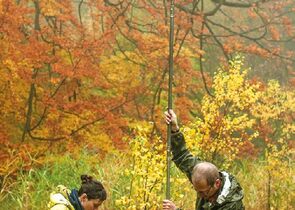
[[31, 189]]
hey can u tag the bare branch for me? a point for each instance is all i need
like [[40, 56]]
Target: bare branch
[[217, 41], [79, 11], [201, 61], [126, 56], [197, 12], [234, 4], [107, 2]]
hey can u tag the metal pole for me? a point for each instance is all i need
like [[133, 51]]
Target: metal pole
[[171, 38]]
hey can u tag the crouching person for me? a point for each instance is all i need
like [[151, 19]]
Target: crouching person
[[89, 197]]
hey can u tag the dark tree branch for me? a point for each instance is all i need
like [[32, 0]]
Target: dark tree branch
[[201, 60], [109, 3], [217, 41], [79, 11], [271, 52], [182, 42], [31, 128], [40, 120], [281, 40], [157, 92], [84, 126], [213, 12], [236, 4], [27, 126], [165, 12], [234, 33], [131, 26], [188, 30], [193, 12], [124, 35], [126, 56], [45, 138], [119, 15]]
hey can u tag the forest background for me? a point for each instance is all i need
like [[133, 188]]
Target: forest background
[[83, 88]]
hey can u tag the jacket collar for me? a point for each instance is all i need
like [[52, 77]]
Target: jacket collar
[[74, 199], [226, 188]]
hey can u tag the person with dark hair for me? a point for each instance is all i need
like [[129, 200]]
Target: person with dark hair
[[217, 190], [89, 197]]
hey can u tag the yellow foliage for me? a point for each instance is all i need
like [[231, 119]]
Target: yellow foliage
[[121, 72], [50, 7], [13, 95], [146, 173], [225, 126], [274, 102], [94, 139], [280, 168]]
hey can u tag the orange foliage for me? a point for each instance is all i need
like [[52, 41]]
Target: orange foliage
[[275, 34], [248, 150], [73, 72]]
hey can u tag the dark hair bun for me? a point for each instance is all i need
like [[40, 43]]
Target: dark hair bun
[[86, 179], [93, 188]]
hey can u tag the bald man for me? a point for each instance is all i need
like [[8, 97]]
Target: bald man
[[217, 190]]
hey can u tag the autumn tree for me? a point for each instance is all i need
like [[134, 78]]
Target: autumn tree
[[70, 56], [51, 57], [243, 116], [82, 70], [225, 124], [206, 32]]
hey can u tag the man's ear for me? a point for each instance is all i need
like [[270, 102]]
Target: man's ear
[[218, 183], [83, 197]]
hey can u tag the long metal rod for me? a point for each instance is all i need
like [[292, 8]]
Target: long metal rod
[[171, 39]]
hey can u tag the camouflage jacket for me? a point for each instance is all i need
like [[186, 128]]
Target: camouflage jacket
[[230, 195]]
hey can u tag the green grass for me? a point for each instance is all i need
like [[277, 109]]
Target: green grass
[[31, 189]]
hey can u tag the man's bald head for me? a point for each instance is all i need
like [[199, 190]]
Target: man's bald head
[[205, 171]]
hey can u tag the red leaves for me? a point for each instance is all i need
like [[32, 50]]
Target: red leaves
[[275, 34]]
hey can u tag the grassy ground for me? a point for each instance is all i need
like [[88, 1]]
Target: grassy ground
[[31, 189]]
